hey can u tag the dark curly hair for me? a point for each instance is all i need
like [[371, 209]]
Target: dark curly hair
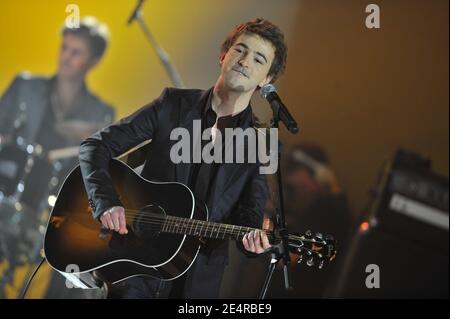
[[268, 31]]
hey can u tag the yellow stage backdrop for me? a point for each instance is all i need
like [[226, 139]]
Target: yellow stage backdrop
[[130, 74]]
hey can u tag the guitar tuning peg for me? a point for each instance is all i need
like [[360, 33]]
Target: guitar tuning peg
[[308, 233], [319, 236], [300, 259], [310, 262]]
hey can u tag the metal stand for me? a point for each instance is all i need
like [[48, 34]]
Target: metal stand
[[162, 54], [281, 250]]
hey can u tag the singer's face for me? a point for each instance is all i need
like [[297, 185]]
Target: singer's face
[[75, 57], [247, 63]]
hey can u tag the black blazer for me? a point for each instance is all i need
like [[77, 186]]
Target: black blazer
[[238, 195]]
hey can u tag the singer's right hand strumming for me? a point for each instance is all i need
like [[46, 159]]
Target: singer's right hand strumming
[[114, 219]]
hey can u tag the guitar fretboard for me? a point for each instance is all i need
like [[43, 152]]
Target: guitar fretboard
[[206, 229]]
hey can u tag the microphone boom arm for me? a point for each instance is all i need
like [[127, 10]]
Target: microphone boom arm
[[162, 54]]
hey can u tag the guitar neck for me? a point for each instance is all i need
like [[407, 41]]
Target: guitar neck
[[206, 229]]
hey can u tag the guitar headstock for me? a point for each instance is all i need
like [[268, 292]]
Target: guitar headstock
[[315, 249]]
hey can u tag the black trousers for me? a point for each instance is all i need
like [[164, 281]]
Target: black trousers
[[141, 288], [201, 281]]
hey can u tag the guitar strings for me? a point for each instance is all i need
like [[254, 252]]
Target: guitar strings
[[174, 222], [157, 219], [210, 226]]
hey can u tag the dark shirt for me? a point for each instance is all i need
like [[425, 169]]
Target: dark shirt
[[203, 174], [48, 136], [50, 139]]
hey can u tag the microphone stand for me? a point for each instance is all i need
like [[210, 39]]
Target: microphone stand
[[162, 54], [281, 250]]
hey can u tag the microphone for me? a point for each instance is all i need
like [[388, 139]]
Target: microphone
[[135, 12], [269, 92]]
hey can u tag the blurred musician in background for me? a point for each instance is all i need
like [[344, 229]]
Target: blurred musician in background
[[45, 119]]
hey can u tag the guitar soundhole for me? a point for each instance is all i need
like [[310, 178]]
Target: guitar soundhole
[[148, 222]]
